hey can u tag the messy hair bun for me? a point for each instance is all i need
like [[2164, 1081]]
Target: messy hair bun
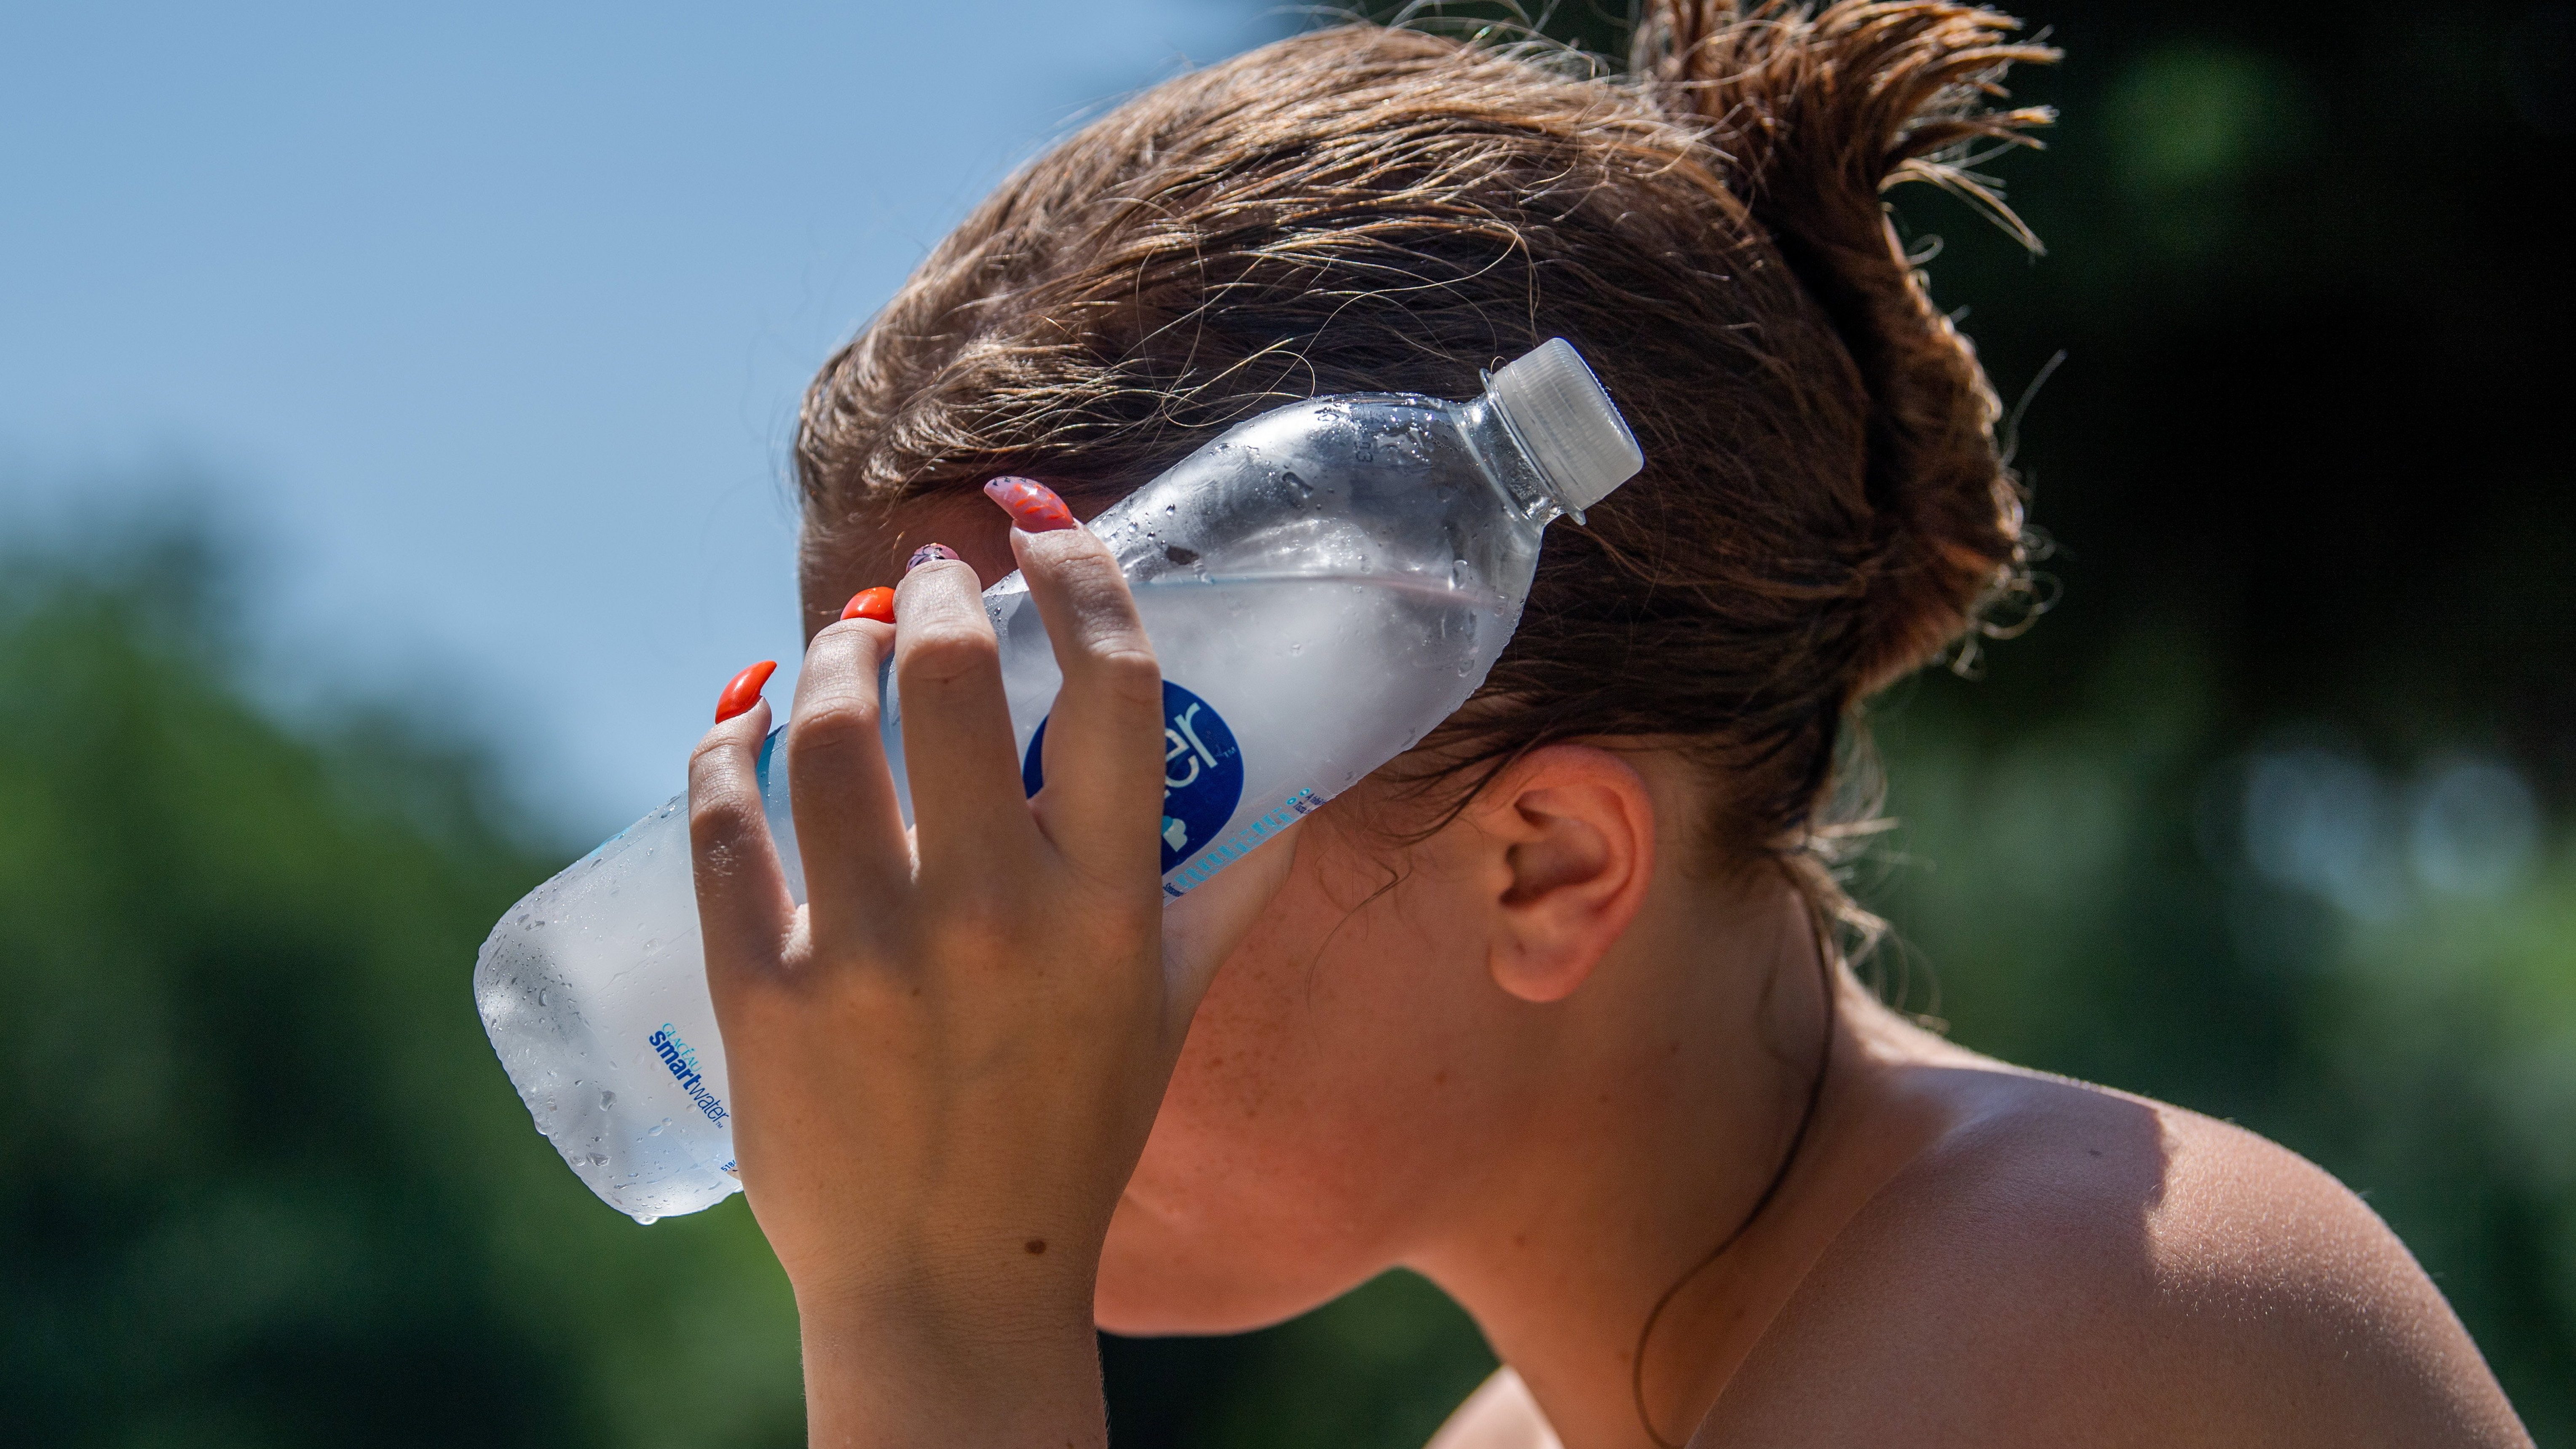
[[1817, 115], [1823, 506]]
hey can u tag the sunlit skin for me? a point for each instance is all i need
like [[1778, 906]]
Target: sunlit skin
[[1549, 1056]]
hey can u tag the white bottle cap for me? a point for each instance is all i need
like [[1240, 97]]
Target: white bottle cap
[[1563, 416]]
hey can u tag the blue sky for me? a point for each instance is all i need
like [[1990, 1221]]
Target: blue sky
[[486, 324]]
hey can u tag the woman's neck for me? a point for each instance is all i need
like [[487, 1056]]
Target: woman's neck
[[1709, 1042]]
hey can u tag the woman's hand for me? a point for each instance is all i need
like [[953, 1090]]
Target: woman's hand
[[945, 1065]]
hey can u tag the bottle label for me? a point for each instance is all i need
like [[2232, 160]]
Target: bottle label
[[682, 1059], [1202, 773], [1177, 884]]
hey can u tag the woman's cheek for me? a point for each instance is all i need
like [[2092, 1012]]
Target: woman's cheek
[[1312, 1115], [1242, 1209], [1252, 1109]]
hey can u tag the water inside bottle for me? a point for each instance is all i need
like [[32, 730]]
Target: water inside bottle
[[1274, 655], [1322, 585]]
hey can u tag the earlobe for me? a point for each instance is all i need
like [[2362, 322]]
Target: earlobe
[[1572, 828]]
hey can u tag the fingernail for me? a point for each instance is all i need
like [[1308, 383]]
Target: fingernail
[[876, 603], [926, 553], [1031, 504], [744, 692]]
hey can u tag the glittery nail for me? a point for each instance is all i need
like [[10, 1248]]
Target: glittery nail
[[1032, 505]]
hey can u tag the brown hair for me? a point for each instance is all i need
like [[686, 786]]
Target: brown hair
[[1823, 506]]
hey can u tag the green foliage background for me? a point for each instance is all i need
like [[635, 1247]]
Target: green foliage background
[[267, 1185], [273, 1190]]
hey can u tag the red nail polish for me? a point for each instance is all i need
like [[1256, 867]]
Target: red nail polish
[[744, 692], [928, 552], [876, 603], [1032, 505]]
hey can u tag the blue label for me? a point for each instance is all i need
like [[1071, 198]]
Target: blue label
[[1202, 773], [682, 1059]]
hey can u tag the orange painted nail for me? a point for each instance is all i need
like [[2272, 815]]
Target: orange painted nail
[[876, 603], [744, 692], [1031, 504]]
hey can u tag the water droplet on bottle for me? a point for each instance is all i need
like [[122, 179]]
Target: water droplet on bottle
[[541, 998], [607, 1100], [656, 1129], [646, 1220], [1297, 648], [1300, 484]]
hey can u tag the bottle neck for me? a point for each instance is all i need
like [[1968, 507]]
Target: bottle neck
[[1508, 462]]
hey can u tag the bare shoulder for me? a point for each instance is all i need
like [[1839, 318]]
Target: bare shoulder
[[2068, 1265]]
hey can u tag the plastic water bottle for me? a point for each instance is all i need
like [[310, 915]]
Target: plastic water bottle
[[1323, 585]]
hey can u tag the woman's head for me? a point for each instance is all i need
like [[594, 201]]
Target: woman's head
[[1362, 209], [1823, 506]]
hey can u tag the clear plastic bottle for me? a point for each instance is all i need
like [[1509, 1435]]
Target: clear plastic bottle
[[1323, 585]]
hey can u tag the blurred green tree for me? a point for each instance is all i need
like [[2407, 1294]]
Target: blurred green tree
[[267, 1184]]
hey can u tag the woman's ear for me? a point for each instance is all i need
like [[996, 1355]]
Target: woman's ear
[[1570, 847]]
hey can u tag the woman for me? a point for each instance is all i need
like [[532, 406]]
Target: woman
[[1555, 1009]]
